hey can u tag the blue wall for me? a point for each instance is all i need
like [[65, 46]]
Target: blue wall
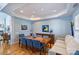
[[60, 26], [17, 26]]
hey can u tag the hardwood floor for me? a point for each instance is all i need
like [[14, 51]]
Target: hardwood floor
[[14, 49]]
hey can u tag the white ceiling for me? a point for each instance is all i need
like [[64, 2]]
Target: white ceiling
[[37, 11]]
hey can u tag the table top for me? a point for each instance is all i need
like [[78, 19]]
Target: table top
[[43, 40]]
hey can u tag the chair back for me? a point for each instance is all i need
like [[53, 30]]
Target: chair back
[[23, 40], [29, 42], [21, 35], [37, 44]]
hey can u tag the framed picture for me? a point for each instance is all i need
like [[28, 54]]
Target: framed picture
[[23, 27], [45, 28]]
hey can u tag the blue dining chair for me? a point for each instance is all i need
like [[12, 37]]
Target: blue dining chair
[[38, 45], [29, 43], [20, 37], [23, 40]]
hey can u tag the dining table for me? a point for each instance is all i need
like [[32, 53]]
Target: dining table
[[42, 40]]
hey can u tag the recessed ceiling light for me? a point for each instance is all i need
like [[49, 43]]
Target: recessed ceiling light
[[21, 11]]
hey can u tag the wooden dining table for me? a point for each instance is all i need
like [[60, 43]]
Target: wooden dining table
[[42, 40]]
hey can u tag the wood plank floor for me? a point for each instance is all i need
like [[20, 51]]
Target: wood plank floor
[[14, 49]]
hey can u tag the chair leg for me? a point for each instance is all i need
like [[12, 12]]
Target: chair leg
[[26, 45], [19, 43], [40, 52], [44, 51]]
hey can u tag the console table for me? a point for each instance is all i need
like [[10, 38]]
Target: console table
[[49, 35]]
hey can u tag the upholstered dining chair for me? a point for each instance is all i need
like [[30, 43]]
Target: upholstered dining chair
[[38, 45], [23, 41], [20, 37], [29, 43]]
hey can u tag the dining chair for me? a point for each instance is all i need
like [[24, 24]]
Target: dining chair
[[29, 43], [23, 41], [38, 45], [20, 37]]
